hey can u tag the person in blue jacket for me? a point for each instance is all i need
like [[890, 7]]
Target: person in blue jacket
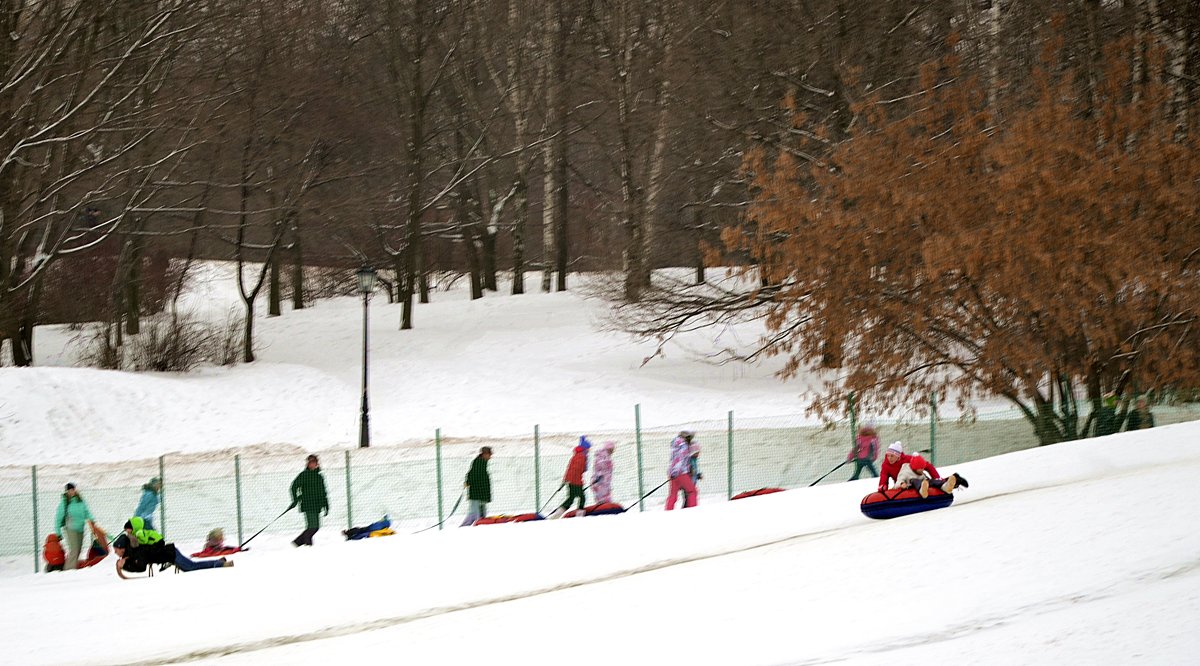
[[72, 518], [149, 502]]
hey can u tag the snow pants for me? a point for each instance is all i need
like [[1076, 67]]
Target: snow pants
[[184, 564], [861, 464], [74, 545], [476, 509], [682, 482], [574, 492], [312, 523], [906, 474]]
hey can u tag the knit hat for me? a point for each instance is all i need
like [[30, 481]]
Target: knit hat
[[917, 463], [895, 447], [583, 441], [70, 486]]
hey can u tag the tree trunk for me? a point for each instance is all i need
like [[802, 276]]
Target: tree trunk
[[471, 250], [552, 33], [133, 283], [248, 333], [698, 220], [274, 290], [487, 259], [297, 271], [423, 275], [563, 255], [522, 214]]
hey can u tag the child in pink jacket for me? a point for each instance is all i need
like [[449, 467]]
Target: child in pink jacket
[[602, 467], [866, 450], [680, 471]]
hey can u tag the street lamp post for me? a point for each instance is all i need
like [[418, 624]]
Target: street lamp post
[[366, 284]]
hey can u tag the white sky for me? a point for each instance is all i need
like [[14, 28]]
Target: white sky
[[1080, 553]]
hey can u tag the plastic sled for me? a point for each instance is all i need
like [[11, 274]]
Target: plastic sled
[[217, 552], [605, 509], [756, 493], [902, 502], [504, 518]]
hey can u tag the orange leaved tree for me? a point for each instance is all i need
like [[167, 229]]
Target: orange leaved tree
[[1047, 256]]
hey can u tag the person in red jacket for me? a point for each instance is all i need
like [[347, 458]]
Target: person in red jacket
[[913, 471], [573, 479], [54, 554]]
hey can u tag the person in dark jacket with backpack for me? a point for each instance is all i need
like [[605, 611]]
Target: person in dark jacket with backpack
[[140, 547], [308, 491], [479, 487], [866, 450]]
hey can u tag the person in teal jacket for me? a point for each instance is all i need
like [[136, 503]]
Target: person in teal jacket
[[72, 518], [308, 491], [149, 502]]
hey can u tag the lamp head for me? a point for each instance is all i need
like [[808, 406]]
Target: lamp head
[[366, 280]]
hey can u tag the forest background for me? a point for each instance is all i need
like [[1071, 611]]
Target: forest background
[[984, 197]]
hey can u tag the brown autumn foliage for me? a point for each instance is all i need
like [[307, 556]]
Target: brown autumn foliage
[[1047, 254]]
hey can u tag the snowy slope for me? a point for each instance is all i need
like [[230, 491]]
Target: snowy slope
[[495, 366], [1080, 553]]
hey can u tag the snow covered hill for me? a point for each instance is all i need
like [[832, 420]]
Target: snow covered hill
[[1080, 553], [495, 366]]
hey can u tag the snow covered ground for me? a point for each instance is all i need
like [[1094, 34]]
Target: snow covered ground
[[1080, 553], [496, 366]]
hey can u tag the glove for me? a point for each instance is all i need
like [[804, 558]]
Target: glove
[[326, 512], [293, 504], [699, 476]]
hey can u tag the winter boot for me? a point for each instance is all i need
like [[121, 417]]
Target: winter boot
[[557, 513], [226, 563], [961, 481], [924, 490], [948, 484]]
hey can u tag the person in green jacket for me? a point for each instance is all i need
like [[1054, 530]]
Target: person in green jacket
[[73, 516], [479, 487], [308, 491], [1140, 417]]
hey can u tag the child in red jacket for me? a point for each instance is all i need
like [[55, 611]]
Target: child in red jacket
[[53, 552], [913, 471], [573, 479]]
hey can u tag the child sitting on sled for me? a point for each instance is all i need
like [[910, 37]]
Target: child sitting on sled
[[913, 471]]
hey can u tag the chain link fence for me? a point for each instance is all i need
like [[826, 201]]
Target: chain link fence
[[417, 486]]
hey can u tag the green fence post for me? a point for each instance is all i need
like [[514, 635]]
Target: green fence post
[[162, 495], [349, 503], [637, 426], [237, 484], [537, 468], [437, 446], [37, 561], [933, 428], [729, 436]]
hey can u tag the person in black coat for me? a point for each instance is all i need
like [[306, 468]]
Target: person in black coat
[[308, 491], [138, 548], [479, 487], [1140, 417]]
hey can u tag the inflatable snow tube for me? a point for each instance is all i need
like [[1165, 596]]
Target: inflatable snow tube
[[901, 502], [217, 552], [519, 518], [605, 509], [756, 493]]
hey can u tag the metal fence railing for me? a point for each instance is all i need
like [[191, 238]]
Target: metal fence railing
[[416, 486]]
